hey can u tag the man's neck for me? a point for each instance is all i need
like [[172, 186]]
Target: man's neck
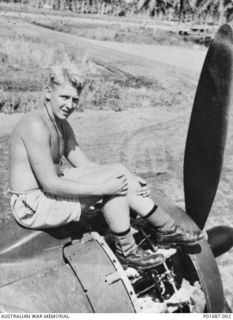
[[50, 115]]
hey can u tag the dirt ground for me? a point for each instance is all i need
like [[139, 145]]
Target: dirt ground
[[148, 139]]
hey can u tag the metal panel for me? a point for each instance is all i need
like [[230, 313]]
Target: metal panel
[[89, 262], [105, 284], [55, 291], [113, 298]]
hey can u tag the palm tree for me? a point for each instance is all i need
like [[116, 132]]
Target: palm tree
[[154, 6], [229, 10], [221, 9], [184, 7]]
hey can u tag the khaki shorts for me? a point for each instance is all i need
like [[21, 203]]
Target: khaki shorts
[[37, 209]]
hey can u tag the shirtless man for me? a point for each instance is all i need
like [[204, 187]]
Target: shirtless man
[[44, 197]]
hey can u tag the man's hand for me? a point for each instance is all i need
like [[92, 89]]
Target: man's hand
[[116, 185], [143, 190]]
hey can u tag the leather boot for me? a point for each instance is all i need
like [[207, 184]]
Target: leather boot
[[168, 233], [130, 255], [177, 236]]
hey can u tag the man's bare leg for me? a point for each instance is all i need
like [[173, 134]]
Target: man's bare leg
[[142, 205], [168, 232], [116, 212]]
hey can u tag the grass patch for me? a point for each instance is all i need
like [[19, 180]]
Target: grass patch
[[115, 32], [137, 33], [25, 62]]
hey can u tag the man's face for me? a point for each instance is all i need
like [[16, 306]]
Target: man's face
[[64, 100]]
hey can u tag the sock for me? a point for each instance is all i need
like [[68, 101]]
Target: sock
[[125, 243], [155, 207], [121, 234], [162, 221]]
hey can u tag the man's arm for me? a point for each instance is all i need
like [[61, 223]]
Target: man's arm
[[37, 143], [73, 152]]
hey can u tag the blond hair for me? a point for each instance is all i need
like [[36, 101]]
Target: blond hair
[[71, 73]]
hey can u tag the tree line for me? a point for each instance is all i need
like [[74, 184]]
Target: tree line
[[182, 10]]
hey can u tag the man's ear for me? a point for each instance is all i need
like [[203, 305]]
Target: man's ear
[[47, 93]]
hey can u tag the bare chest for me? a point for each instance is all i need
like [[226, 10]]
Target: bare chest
[[57, 146]]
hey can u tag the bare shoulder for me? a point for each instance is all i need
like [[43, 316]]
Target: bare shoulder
[[31, 125]]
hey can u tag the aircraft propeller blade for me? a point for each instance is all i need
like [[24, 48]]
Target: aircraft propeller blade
[[208, 127]]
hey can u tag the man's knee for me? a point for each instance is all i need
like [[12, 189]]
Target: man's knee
[[119, 167], [133, 183]]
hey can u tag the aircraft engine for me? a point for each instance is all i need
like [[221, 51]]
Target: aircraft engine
[[171, 287]]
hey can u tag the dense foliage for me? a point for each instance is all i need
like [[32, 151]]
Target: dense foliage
[[185, 10]]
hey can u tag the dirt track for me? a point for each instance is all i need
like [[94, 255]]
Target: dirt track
[[148, 140], [182, 58]]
